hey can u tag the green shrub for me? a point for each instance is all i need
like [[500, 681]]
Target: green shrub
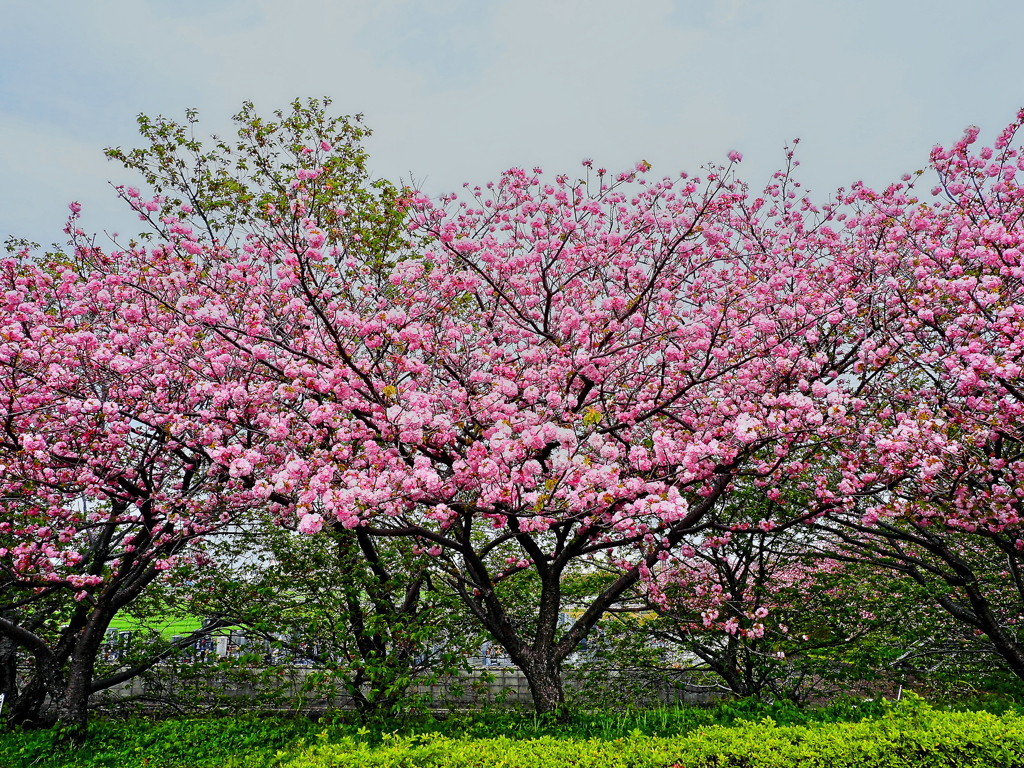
[[239, 742], [913, 736], [740, 733]]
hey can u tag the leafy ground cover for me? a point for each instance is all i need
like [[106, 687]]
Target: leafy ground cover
[[911, 733]]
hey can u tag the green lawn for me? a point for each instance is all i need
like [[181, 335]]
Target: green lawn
[[168, 628]]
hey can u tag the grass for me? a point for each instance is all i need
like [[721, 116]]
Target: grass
[[168, 629]]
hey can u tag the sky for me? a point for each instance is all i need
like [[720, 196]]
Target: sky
[[460, 90]]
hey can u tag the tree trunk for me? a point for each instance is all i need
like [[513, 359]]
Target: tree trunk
[[72, 706], [545, 679], [1005, 645], [23, 707], [734, 679]]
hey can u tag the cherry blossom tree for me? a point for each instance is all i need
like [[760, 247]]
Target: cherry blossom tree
[[770, 616], [546, 374], [128, 437], [750, 609], [105, 471], [949, 309]]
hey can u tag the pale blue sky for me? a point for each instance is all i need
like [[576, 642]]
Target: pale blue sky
[[459, 90]]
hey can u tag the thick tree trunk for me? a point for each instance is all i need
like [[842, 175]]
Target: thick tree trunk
[[545, 679], [72, 705], [37, 698], [71, 700]]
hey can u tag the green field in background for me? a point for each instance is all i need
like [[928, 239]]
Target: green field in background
[[168, 628]]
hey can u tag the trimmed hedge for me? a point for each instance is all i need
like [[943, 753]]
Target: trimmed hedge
[[238, 742], [910, 734], [922, 738]]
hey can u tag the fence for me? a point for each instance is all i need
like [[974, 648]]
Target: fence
[[231, 644], [492, 686], [491, 679]]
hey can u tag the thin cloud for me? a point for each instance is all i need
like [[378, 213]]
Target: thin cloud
[[459, 90]]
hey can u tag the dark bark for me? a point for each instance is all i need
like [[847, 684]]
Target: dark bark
[[544, 675], [69, 684], [727, 666], [541, 653], [72, 708], [57, 693], [985, 619]]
